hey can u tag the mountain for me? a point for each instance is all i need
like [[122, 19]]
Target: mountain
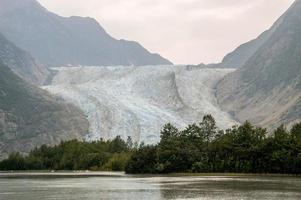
[[59, 41], [21, 63], [244, 52], [267, 88], [241, 54], [30, 117]]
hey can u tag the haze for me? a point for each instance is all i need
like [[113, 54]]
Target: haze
[[184, 31]]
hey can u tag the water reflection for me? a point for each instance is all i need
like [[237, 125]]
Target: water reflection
[[232, 188], [139, 188]]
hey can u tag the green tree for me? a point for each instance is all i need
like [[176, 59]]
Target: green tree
[[208, 128], [143, 161], [168, 132]]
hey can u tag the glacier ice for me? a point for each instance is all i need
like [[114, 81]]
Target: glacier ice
[[138, 101]]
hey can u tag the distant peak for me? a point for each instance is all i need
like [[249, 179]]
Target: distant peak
[[8, 5], [19, 2], [84, 19]]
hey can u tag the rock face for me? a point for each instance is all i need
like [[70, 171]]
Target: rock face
[[30, 117], [138, 101], [21, 63], [267, 89], [59, 41]]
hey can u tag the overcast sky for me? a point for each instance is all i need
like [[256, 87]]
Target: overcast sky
[[184, 31]]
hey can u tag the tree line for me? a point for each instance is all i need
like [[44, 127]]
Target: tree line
[[202, 148], [74, 155], [199, 148]]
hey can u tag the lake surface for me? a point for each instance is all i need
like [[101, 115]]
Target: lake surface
[[75, 186]]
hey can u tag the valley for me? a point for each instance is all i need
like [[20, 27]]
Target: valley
[[138, 101], [150, 99]]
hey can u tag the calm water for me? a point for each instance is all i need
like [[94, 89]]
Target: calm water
[[37, 187]]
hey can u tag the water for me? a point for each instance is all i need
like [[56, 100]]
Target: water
[[77, 187]]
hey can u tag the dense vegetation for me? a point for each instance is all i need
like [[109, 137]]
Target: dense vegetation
[[199, 148], [203, 148], [73, 155]]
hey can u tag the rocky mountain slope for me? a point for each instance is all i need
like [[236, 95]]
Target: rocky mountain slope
[[138, 101], [267, 88], [21, 63], [244, 52], [30, 117], [60, 41], [241, 54]]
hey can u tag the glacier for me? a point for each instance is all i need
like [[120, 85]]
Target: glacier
[[138, 101]]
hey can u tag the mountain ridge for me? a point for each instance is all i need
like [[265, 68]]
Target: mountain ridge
[[61, 41], [266, 89], [240, 55], [31, 117], [22, 63]]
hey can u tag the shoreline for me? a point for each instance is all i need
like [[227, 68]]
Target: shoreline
[[59, 174], [84, 174]]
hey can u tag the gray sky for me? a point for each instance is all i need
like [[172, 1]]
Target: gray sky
[[184, 31]]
